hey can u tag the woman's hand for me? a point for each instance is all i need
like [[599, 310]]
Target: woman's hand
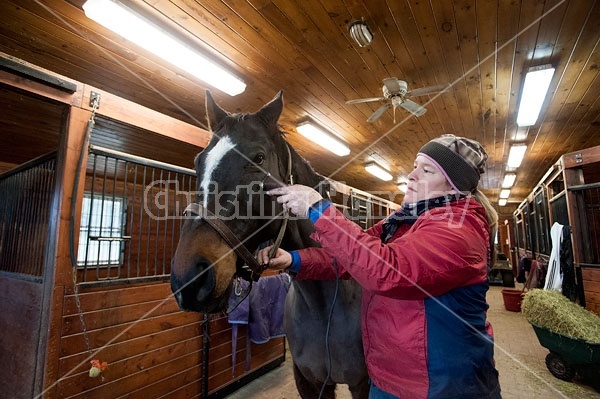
[[296, 198], [281, 260]]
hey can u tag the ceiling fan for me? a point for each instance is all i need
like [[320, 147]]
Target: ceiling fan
[[395, 94]]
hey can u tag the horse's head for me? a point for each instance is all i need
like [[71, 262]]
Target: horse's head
[[245, 153]]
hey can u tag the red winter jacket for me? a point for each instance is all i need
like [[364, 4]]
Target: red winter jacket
[[423, 308]]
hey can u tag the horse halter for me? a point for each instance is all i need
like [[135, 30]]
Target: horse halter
[[251, 270]]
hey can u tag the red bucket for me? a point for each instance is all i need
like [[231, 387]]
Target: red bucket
[[512, 300]]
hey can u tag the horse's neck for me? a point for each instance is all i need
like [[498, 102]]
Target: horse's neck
[[301, 229]]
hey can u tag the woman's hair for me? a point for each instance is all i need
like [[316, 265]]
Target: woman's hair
[[492, 218]]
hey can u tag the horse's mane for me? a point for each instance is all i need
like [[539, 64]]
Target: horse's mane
[[305, 173]]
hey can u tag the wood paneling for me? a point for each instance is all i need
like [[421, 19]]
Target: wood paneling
[[591, 284], [151, 347], [30, 126]]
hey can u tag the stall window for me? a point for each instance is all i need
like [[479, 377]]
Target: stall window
[[101, 231]]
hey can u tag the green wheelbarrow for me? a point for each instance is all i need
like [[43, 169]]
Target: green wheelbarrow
[[569, 356]]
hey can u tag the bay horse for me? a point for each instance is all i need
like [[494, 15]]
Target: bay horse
[[232, 212]]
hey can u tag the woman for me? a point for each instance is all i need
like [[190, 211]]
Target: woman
[[423, 271]]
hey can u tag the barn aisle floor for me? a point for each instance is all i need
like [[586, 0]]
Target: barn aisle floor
[[519, 358]]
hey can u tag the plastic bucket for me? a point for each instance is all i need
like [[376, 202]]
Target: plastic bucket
[[512, 300]]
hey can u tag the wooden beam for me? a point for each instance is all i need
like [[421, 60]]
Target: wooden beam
[[126, 111], [580, 158], [111, 106], [12, 64], [41, 89]]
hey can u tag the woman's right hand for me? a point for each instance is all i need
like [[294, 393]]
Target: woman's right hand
[[281, 260]]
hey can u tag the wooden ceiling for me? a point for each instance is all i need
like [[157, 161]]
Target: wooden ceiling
[[481, 48]]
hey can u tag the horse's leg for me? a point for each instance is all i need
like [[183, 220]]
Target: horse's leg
[[311, 390], [360, 390]]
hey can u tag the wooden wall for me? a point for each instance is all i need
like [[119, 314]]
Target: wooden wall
[[153, 350]]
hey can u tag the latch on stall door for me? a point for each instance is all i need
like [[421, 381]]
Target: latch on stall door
[[95, 100]]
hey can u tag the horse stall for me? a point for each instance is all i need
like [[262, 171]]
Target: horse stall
[[568, 194], [92, 190], [86, 239]]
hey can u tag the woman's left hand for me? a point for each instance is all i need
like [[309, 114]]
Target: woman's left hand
[[296, 198], [281, 259]]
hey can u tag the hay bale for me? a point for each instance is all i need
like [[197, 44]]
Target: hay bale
[[551, 309]]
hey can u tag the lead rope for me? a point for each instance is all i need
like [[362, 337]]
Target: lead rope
[[286, 213], [95, 104]]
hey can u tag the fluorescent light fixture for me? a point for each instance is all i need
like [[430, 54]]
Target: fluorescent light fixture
[[323, 138], [509, 180], [516, 154], [535, 88], [135, 28], [378, 171], [502, 202], [403, 186], [504, 194]]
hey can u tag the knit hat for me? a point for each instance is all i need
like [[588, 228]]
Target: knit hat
[[460, 159]]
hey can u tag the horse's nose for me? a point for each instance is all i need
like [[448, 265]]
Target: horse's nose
[[195, 287], [176, 289], [206, 282], [178, 297]]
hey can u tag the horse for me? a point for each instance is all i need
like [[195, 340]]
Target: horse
[[233, 215]]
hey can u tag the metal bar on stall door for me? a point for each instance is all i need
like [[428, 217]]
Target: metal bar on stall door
[[157, 232], [140, 226], [102, 200], [10, 222], [24, 230], [133, 198], [166, 223], [148, 233], [139, 160], [45, 216], [591, 210], [89, 225], [123, 226], [38, 220], [112, 224], [176, 218]]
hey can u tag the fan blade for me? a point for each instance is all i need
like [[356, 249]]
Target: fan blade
[[426, 90], [365, 100], [413, 107], [378, 112], [392, 85]]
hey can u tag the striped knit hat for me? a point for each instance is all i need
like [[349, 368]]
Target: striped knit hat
[[462, 160]]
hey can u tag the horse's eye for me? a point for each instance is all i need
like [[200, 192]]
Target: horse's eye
[[259, 158]]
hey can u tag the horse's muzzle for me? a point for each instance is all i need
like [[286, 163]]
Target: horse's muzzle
[[194, 291]]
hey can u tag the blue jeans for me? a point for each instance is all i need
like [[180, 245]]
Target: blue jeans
[[376, 393]]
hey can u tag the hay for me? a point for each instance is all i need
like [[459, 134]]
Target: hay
[[551, 309]]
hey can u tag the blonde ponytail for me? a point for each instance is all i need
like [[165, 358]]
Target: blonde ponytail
[[492, 218]]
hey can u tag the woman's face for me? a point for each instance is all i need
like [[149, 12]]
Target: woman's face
[[426, 181]]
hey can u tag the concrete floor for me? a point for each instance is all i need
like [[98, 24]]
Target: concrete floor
[[520, 360]]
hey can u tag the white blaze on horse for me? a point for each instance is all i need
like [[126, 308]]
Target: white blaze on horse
[[232, 216]]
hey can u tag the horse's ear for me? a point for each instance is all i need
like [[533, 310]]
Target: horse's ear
[[270, 112], [214, 113]]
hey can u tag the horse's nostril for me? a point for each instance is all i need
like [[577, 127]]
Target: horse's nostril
[[206, 282], [178, 297]]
